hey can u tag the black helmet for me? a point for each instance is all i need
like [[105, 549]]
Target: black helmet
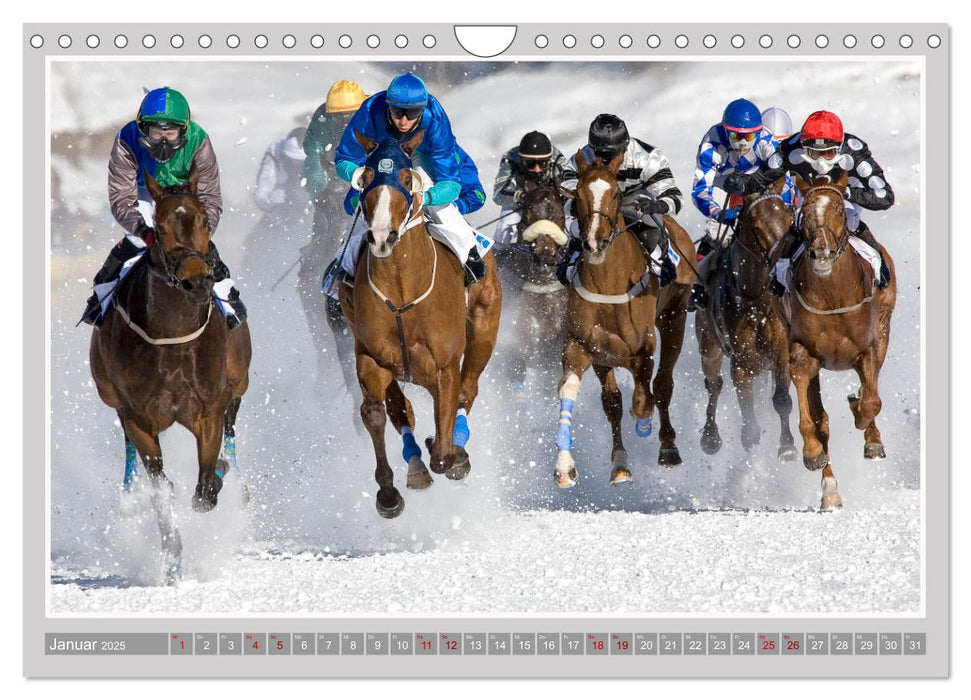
[[608, 134], [535, 146]]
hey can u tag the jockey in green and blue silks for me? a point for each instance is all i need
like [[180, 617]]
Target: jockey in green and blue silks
[[400, 112], [163, 142]]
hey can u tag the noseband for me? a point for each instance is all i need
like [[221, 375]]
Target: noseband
[[170, 264]]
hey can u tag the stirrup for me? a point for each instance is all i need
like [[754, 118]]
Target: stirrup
[[475, 269], [884, 279]]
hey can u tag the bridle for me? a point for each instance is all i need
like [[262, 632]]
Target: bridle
[[171, 263], [761, 254], [841, 239]]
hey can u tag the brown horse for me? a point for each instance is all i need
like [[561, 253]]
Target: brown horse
[[839, 320], [528, 270], [743, 323], [162, 356], [615, 303], [414, 321]]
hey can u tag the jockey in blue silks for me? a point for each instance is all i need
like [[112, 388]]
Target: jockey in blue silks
[[401, 111]]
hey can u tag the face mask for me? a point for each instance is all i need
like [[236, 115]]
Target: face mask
[[821, 165], [162, 150]]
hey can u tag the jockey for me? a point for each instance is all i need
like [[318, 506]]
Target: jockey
[[648, 190], [401, 111], [822, 150], [536, 158], [738, 144], [278, 180], [320, 146], [163, 142], [778, 123]]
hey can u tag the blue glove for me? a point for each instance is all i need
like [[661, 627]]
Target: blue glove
[[736, 183]]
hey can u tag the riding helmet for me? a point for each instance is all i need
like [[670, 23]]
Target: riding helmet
[[344, 96], [535, 146], [822, 130], [608, 134], [742, 116], [406, 91], [777, 122]]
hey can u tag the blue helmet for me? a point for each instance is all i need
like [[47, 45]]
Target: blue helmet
[[407, 91], [742, 116]]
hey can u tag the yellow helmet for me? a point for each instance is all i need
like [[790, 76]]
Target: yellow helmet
[[344, 96]]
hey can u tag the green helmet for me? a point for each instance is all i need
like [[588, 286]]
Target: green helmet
[[164, 105]]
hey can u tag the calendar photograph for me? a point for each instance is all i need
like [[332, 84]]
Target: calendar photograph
[[486, 338]]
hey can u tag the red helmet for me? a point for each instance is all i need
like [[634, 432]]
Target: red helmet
[[822, 129]]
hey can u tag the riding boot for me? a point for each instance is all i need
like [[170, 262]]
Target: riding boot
[[475, 269], [123, 251], [652, 239], [794, 241], [864, 233], [220, 272], [574, 246]]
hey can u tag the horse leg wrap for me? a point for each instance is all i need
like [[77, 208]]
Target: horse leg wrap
[[411, 448], [643, 427], [229, 447], [564, 438], [460, 435], [131, 463]]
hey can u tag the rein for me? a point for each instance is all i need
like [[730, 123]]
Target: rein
[[398, 311]]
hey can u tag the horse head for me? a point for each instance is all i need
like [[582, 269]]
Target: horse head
[[181, 254], [764, 219], [823, 221], [543, 222], [598, 204], [391, 191]]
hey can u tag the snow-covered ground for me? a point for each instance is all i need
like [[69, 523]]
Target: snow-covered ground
[[733, 533]]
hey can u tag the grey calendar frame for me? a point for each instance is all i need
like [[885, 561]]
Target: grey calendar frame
[[934, 625]]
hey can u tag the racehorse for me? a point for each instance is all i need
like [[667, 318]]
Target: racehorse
[[528, 270], [414, 321], [161, 356], [614, 305], [743, 323], [838, 320]]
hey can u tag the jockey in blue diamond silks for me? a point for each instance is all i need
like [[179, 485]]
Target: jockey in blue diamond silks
[[740, 143], [164, 143]]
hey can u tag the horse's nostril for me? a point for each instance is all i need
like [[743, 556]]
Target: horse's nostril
[[188, 285]]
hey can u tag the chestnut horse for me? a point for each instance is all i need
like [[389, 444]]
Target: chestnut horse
[[838, 320], [615, 303], [414, 321], [743, 323], [528, 270], [162, 355]]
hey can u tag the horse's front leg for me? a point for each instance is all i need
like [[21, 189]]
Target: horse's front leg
[[781, 400], [374, 381], [403, 419], [867, 405], [147, 445], [209, 437], [711, 364], [743, 377], [804, 369], [670, 325], [576, 361], [442, 448], [613, 405]]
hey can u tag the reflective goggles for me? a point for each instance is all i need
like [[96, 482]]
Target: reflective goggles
[[742, 137], [411, 112], [826, 153], [535, 164]]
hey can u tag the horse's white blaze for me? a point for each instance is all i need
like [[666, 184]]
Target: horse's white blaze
[[598, 188], [571, 387], [381, 219], [821, 203], [180, 210]]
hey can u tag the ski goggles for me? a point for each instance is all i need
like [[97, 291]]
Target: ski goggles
[[827, 153], [738, 137], [411, 112]]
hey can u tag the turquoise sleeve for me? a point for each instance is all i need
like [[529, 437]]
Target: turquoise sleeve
[[346, 168], [444, 192]]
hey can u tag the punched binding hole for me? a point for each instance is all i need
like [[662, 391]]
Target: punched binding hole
[[205, 41], [709, 41], [738, 41], [877, 41], [429, 41], [653, 41], [626, 41], [822, 41], [261, 42], [906, 41], [793, 41], [289, 41], [597, 41], [232, 41], [64, 41], [344, 41], [541, 41], [121, 41], [373, 41], [148, 41], [765, 41], [316, 41], [37, 41], [681, 41], [93, 41], [934, 41], [401, 41], [849, 41], [569, 41], [177, 41]]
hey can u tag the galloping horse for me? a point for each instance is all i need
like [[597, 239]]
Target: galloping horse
[[743, 323], [161, 356], [615, 302], [529, 270], [413, 321], [839, 320]]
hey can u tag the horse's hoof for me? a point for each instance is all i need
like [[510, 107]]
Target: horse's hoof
[[711, 441], [669, 457], [418, 476], [643, 427], [396, 507], [173, 573], [852, 398], [620, 475], [787, 453], [831, 502], [567, 480], [204, 499], [815, 463], [460, 467], [874, 450]]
